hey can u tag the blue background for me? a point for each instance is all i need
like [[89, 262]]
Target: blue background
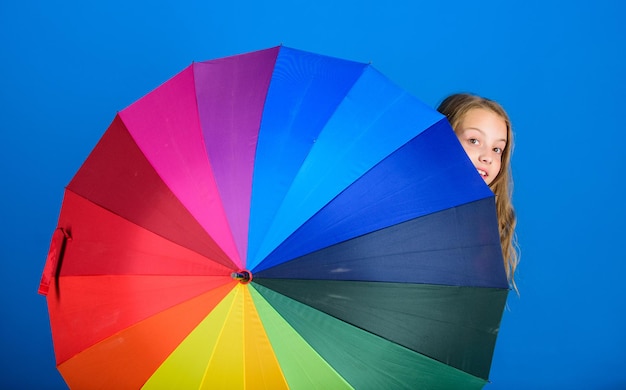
[[558, 68]]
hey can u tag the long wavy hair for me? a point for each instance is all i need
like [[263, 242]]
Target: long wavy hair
[[455, 107]]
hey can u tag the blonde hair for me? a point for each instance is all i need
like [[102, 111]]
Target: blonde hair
[[455, 107]]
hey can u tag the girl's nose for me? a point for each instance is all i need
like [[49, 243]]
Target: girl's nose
[[485, 158]]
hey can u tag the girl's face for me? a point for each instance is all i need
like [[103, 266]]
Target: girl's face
[[483, 134]]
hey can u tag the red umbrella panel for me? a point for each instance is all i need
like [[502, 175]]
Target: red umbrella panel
[[276, 219]]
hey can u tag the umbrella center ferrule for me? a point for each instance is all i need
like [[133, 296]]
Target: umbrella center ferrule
[[243, 276]]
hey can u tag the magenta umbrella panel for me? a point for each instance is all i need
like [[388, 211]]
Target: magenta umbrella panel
[[282, 219]]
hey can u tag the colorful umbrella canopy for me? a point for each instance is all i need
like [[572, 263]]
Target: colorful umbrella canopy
[[277, 219]]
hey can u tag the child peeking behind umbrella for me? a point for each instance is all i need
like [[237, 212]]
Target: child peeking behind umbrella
[[484, 130]]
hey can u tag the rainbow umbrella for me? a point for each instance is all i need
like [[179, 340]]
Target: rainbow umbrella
[[277, 219]]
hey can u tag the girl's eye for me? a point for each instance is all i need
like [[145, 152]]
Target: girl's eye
[[497, 150], [473, 141]]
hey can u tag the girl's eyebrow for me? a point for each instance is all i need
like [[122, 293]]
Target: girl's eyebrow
[[475, 129], [483, 133]]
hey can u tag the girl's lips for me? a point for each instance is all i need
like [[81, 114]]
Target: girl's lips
[[482, 173]]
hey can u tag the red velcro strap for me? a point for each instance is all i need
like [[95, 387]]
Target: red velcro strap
[[57, 244]]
